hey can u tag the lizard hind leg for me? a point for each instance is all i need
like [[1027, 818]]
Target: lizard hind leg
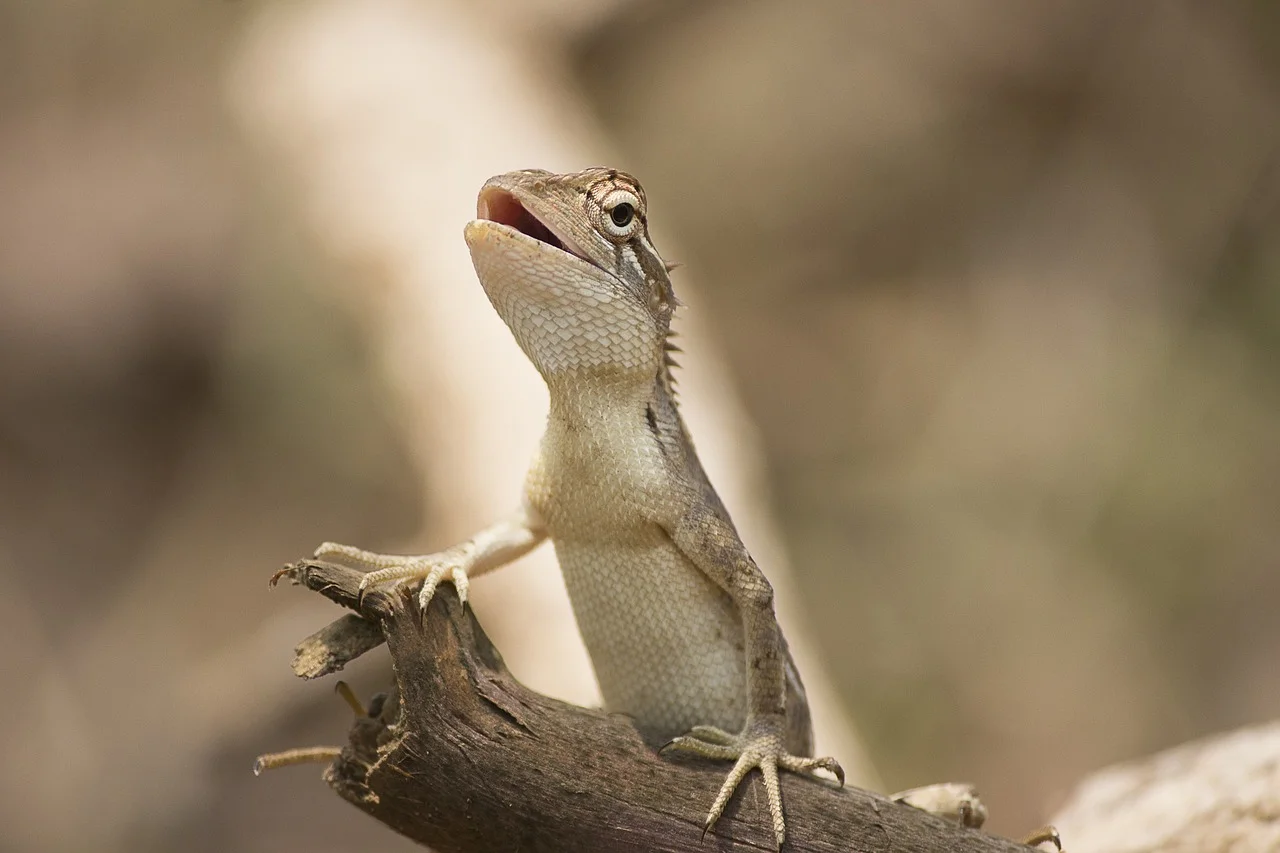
[[760, 746], [957, 801]]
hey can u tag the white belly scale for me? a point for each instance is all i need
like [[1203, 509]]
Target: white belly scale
[[665, 642]]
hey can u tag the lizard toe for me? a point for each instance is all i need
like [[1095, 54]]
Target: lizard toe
[[711, 734], [758, 754], [703, 748], [746, 762], [761, 746], [439, 572], [370, 561], [797, 764], [390, 576]]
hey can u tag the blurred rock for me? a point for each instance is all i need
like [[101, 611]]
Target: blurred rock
[[1217, 795]]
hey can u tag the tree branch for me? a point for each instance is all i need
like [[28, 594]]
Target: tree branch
[[469, 760]]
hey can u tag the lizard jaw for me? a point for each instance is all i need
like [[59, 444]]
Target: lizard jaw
[[502, 207], [549, 274], [565, 312]]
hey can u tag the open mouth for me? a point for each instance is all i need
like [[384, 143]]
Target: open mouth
[[504, 208]]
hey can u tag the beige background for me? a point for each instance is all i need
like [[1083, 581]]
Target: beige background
[[983, 315]]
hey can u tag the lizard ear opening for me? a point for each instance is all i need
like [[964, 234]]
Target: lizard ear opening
[[500, 206]]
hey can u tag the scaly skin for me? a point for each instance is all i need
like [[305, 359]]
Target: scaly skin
[[675, 614]]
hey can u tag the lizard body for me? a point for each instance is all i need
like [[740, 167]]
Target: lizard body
[[669, 603], [676, 616]]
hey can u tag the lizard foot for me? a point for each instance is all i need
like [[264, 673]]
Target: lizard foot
[[394, 569], [760, 746], [959, 802], [956, 801]]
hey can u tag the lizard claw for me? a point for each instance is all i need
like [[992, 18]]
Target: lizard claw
[[807, 765], [393, 569], [761, 747], [711, 734], [439, 572]]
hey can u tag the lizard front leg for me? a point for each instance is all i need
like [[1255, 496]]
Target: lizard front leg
[[491, 548], [708, 540]]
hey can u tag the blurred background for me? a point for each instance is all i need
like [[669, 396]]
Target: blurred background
[[986, 305]]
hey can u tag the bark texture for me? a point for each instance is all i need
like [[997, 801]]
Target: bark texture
[[465, 758]]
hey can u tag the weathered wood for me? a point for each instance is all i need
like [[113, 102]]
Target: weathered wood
[[334, 646], [469, 760]]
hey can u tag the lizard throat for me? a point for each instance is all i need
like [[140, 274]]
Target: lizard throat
[[500, 206]]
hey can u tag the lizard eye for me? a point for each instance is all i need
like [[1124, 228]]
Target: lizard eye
[[621, 211]]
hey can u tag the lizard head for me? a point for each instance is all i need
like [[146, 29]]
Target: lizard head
[[567, 262]]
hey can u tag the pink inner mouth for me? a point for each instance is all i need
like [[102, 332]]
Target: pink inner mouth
[[502, 207]]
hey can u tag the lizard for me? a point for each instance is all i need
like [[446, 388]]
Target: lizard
[[677, 618]]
